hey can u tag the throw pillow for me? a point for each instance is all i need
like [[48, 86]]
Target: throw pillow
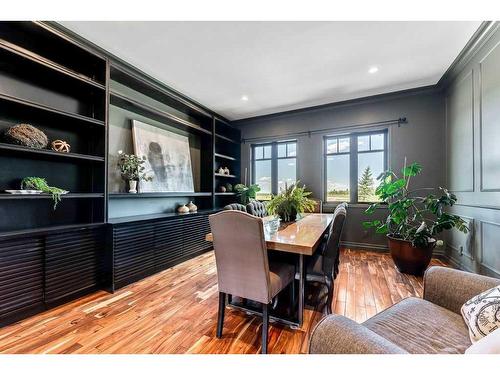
[[488, 345], [482, 313]]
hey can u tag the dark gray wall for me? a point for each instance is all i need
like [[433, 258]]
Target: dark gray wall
[[473, 158], [421, 139]]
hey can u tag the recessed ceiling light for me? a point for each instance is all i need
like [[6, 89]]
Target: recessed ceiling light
[[244, 98], [373, 69]]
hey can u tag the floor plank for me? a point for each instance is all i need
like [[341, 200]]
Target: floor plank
[[175, 311]]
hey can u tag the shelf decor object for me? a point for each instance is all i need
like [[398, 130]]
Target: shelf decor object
[[26, 135], [24, 191], [183, 209], [60, 146], [38, 183], [192, 207], [166, 155]]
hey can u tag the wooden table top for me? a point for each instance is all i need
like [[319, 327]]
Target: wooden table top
[[300, 237]]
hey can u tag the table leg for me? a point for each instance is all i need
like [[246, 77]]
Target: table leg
[[301, 290]]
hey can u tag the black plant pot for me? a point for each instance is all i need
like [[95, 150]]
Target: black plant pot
[[288, 218]]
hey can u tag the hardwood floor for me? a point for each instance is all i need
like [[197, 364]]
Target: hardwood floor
[[175, 311]]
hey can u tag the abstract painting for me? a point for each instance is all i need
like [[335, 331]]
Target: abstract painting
[[168, 159]]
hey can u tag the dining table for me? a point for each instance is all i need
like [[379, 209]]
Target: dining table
[[302, 238]]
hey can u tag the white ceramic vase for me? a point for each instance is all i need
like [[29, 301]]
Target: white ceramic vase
[[132, 186]]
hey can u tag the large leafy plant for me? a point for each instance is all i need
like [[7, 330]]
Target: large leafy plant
[[413, 216], [246, 193], [291, 201]]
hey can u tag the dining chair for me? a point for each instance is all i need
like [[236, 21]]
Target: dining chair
[[323, 266], [257, 208], [236, 207], [243, 267]]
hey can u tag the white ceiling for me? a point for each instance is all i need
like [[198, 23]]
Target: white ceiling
[[282, 66]]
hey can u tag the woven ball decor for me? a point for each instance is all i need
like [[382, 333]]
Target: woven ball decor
[[26, 135], [60, 146]]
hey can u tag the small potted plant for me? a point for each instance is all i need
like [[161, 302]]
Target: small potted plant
[[246, 193], [132, 170], [292, 200], [413, 219]]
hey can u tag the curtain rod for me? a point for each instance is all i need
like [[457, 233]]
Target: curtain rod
[[398, 122]]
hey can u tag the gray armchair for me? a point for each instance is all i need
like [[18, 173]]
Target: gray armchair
[[257, 208], [431, 325]]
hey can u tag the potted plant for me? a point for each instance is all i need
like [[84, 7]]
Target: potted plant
[[39, 183], [132, 170], [413, 219], [246, 193], [291, 201]]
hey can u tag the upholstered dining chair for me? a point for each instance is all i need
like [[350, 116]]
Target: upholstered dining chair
[[235, 207], [323, 266], [243, 267], [257, 208]]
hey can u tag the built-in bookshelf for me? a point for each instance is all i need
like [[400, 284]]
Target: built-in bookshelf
[[70, 89]]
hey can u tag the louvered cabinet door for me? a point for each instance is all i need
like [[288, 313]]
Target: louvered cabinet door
[[195, 229], [21, 276], [73, 263], [133, 252], [168, 243]]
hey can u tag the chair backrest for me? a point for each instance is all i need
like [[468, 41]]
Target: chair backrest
[[236, 207], [257, 208], [332, 250], [241, 255]]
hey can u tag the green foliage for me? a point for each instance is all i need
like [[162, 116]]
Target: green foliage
[[365, 185], [246, 193], [132, 167], [412, 217], [291, 201], [38, 183]]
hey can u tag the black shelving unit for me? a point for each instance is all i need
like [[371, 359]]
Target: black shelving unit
[[57, 82]]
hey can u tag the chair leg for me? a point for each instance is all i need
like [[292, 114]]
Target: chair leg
[[293, 296], [329, 284], [265, 327], [220, 316]]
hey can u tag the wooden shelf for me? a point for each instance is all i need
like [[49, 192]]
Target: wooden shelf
[[133, 105], [48, 196], [225, 175], [49, 153], [226, 138], [227, 193], [43, 62], [10, 100], [137, 218], [222, 156], [158, 195]]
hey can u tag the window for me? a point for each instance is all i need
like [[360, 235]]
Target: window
[[274, 166], [352, 165]]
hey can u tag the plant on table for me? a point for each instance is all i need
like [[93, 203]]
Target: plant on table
[[292, 200], [38, 183]]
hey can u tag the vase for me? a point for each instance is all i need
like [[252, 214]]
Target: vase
[[132, 186], [410, 259], [192, 207], [183, 209]]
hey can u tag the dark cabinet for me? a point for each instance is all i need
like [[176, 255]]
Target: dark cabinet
[[73, 263], [21, 277], [143, 248]]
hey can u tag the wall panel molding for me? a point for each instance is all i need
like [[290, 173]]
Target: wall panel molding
[[490, 240]]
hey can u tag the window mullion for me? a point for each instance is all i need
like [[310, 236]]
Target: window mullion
[[274, 168], [353, 171]]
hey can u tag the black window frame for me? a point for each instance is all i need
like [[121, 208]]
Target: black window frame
[[353, 160], [274, 160]]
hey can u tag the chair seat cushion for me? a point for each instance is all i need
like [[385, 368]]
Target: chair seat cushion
[[421, 327], [280, 275]]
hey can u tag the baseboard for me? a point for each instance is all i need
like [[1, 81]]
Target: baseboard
[[364, 246]]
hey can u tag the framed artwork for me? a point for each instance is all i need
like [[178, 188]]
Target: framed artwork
[[168, 159]]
